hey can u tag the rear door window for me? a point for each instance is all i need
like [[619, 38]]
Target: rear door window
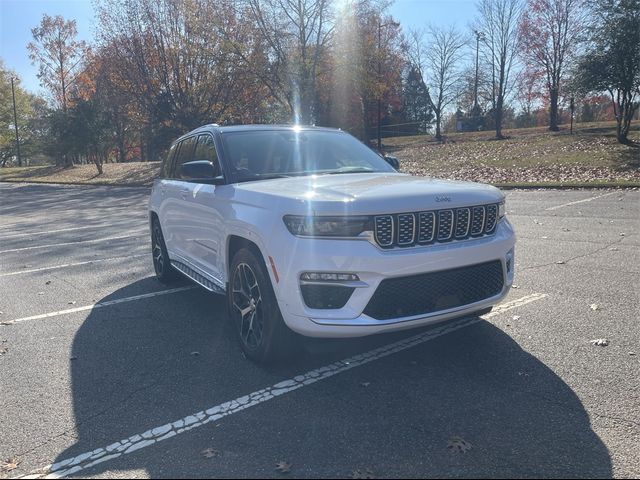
[[185, 154], [168, 161]]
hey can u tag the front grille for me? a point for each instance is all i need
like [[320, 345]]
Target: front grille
[[435, 291], [422, 228]]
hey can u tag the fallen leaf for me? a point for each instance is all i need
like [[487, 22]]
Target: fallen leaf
[[210, 453], [365, 384], [613, 249], [40, 293], [560, 262], [48, 282], [459, 445], [194, 354], [622, 234], [72, 303], [364, 473], [516, 317], [515, 286], [9, 465], [73, 358], [600, 342], [632, 353], [3, 350], [594, 306], [283, 467], [544, 238], [7, 323]]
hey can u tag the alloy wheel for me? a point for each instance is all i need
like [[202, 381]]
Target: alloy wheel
[[248, 306]]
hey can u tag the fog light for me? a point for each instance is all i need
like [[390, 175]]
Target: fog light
[[328, 277]]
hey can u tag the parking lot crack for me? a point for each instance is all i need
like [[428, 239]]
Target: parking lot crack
[[588, 254]]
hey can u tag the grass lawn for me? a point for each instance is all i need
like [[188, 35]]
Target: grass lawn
[[532, 157], [135, 173]]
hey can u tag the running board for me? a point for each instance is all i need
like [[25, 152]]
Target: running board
[[197, 277]]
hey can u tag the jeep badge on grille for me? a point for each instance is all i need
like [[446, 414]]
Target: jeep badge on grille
[[443, 199]]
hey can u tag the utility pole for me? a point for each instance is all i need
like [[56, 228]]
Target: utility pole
[[15, 123]]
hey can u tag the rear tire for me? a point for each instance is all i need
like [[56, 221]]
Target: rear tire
[[165, 272], [254, 311]]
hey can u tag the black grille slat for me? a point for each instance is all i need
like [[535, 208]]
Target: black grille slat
[[384, 230], [492, 218], [435, 291], [406, 229], [463, 222], [427, 227], [477, 222], [421, 228], [445, 225]]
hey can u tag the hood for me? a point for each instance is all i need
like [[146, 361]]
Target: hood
[[370, 193]]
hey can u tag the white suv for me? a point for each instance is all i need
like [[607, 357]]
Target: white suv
[[307, 230]]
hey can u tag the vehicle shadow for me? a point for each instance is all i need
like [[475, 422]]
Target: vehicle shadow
[[138, 366]]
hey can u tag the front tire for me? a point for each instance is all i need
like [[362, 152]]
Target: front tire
[[254, 311], [165, 272]]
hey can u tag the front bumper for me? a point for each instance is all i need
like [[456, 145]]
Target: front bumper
[[294, 255]]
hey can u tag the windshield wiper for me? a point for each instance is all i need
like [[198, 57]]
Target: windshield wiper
[[351, 170]]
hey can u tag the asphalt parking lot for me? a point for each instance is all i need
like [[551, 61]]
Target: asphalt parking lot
[[106, 373]]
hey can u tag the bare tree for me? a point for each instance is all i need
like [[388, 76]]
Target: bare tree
[[436, 53], [548, 37], [297, 33], [443, 61], [498, 22]]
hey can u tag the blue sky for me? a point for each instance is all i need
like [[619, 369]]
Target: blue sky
[[18, 17]]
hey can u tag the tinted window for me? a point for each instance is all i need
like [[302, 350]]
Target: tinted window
[[184, 155], [166, 165], [206, 150], [253, 155]]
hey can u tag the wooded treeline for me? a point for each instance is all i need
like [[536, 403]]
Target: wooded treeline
[[159, 68]]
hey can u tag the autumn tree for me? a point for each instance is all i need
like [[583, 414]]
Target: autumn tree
[[368, 61], [549, 33], [498, 23], [178, 59], [612, 59], [31, 112], [58, 54]]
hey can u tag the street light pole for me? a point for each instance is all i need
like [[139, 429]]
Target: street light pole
[[379, 81], [15, 123], [475, 87]]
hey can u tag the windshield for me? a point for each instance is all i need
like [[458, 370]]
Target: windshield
[[262, 154]]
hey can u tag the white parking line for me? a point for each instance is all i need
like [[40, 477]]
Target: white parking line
[[580, 201], [108, 303], [131, 444], [67, 265], [106, 239]]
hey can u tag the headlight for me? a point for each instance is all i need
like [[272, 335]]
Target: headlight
[[327, 226], [502, 210]]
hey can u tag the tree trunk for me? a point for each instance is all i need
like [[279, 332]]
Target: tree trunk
[[438, 132], [553, 110], [498, 117]]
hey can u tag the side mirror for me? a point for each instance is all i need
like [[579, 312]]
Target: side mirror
[[393, 161], [201, 171]]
